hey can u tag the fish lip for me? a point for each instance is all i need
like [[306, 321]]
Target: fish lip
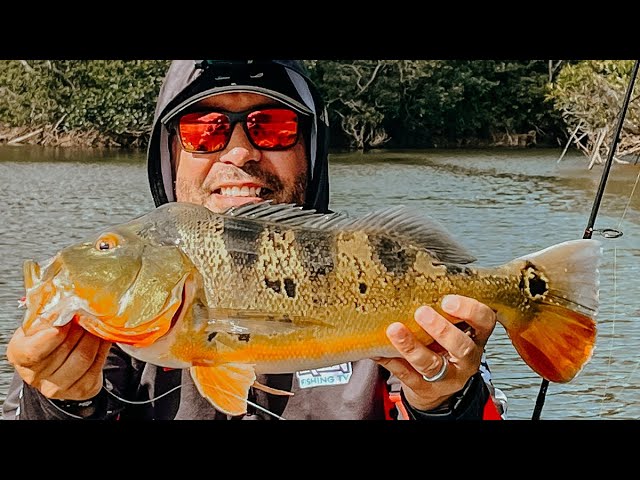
[[31, 273], [43, 298]]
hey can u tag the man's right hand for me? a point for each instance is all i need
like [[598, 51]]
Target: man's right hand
[[63, 363]]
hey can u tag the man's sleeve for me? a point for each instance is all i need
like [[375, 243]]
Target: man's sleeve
[[24, 402]]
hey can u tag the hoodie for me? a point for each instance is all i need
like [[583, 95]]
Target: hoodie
[[286, 81]]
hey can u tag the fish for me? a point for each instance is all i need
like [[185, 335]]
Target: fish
[[277, 288]]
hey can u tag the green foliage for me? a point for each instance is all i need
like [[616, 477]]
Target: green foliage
[[25, 93], [396, 103], [589, 94], [114, 97], [422, 103], [591, 91]]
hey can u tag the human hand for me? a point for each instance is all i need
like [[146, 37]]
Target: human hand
[[63, 363], [463, 350]]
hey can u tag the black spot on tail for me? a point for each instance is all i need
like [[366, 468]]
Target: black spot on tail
[[532, 282], [244, 337], [395, 258], [363, 288], [537, 286], [211, 336]]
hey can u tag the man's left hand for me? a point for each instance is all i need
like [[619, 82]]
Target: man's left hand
[[462, 350]]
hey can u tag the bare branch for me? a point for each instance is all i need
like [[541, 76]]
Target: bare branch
[[362, 88], [373, 75], [27, 67], [59, 73], [554, 68], [16, 141], [570, 139]]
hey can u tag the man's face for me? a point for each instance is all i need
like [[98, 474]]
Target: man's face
[[240, 173]]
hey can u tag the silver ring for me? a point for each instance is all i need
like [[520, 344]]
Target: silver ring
[[441, 373]]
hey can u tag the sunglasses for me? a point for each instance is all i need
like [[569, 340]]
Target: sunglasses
[[266, 129]]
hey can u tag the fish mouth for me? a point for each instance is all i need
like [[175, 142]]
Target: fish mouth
[[145, 333], [42, 294], [50, 300]]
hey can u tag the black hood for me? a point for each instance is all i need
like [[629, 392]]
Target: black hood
[[188, 81]]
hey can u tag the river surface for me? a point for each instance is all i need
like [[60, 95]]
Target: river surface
[[501, 204]]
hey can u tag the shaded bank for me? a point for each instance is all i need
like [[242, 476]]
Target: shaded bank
[[371, 103], [49, 136]]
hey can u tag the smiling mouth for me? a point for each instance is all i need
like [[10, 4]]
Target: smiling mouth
[[244, 191]]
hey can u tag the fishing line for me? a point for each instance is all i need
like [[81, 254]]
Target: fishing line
[[626, 207], [142, 402], [606, 233], [248, 401], [613, 330], [615, 304]]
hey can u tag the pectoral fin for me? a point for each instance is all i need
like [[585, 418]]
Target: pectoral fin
[[226, 386], [257, 322]]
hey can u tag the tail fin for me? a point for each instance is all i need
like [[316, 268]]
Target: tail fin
[[563, 281]]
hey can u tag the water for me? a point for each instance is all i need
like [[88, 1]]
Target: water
[[500, 204]]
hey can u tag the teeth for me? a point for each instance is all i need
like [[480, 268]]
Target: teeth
[[241, 192]]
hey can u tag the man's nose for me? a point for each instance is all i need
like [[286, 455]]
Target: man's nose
[[239, 149]]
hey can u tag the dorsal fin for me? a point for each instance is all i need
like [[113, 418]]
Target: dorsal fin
[[399, 222]]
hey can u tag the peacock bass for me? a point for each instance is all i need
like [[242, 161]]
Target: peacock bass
[[267, 288]]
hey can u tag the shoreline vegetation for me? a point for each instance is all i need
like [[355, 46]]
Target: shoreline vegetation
[[372, 104], [50, 136]]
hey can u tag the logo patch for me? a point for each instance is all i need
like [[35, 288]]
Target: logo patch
[[333, 375]]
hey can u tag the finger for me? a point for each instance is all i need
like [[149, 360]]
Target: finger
[[481, 317], [89, 385], [101, 356], [29, 350], [59, 356], [77, 364], [398, 367], [422, 359], [455, 341], [91, 382]]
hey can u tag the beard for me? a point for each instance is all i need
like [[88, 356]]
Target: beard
[[274, 188], [277, 190]]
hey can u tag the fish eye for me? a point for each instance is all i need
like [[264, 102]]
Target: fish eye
[[106, 242]]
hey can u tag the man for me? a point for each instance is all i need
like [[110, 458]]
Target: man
[[226, 133]]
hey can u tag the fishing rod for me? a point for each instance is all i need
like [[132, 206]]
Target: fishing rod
[[606, 232]]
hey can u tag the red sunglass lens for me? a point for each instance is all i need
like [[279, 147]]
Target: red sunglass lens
[[273, 128], [204, 132], [270, 129]]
